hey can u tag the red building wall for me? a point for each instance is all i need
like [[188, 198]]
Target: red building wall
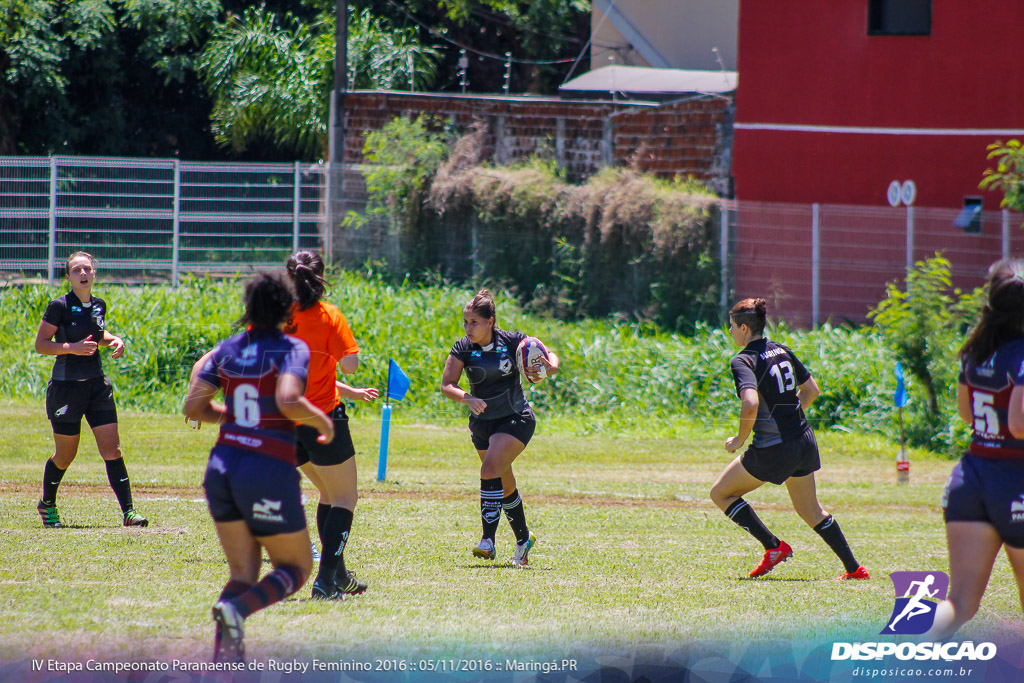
[[807, 62]]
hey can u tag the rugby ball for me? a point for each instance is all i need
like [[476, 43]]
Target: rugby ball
[[528, 355]]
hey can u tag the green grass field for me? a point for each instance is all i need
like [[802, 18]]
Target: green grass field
[[632, 555]]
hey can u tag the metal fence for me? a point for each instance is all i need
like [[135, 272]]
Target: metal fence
[[157, 218], [817, 262]]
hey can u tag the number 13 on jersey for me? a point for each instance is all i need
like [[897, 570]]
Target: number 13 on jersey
[[783, 374]]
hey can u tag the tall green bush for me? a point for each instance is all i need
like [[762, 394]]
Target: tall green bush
[[924, 323]]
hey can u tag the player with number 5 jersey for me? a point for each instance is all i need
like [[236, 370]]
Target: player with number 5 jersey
[[775, 388], [983, 503]]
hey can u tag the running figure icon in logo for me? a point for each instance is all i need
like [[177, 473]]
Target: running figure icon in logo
[[917, 594]]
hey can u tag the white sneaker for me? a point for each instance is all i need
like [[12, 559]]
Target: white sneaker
[[230, 631], [485, 549], [521, 556], [316, 551]]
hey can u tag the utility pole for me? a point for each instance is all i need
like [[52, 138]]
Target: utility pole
[[336, 132]]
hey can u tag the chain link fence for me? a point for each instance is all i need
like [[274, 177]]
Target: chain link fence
[[155, 219], [818, 262]]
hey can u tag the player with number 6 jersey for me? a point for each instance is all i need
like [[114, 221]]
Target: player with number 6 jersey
[[251, 484], [775, 388]]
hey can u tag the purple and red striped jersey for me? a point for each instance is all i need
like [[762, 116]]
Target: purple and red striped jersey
[[246, 367], [989, 386]]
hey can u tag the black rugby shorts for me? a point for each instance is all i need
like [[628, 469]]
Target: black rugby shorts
[[792, 458], [520, 426], [68, 400], [308, 449]]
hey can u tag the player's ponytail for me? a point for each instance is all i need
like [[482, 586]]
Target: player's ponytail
[[268, 302], [751, 312], [306, 270], [482, 304], [1002, 317]]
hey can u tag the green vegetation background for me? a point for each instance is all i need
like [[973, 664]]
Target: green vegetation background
[[617, 378]]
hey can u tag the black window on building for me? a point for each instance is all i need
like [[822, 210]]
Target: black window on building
[[899, 17]]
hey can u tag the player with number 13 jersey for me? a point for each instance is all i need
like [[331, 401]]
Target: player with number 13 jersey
[[774, 388]]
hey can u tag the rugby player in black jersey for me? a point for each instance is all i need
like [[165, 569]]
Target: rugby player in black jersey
[[983, 503], [501, 420], [775, 389], [72, 329]]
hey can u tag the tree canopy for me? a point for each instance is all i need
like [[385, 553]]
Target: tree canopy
[[205, 79]]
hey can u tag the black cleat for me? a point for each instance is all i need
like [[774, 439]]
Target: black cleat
[[51, 518]]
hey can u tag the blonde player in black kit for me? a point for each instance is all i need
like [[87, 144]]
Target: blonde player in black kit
[[73, 328], [775, 389], [501, 420]]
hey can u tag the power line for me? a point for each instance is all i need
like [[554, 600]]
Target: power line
[[488, 55]]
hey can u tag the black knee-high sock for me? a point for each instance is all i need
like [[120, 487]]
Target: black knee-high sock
[[490, 505], [322, 510], [336, 530], [830, 532], [117, 475], [51, 481], [516, 515], [274, 587], [741, 513]]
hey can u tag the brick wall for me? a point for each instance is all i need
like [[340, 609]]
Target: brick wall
[[685, 138]]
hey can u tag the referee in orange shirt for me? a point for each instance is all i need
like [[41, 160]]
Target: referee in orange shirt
[[332, 466]]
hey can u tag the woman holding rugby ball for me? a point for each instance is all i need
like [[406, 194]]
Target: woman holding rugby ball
[[982, 501], [73, 328], [775, 389], [501, 420]]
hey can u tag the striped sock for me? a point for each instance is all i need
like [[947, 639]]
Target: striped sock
[[516, 516], [490, 505], [744, 516], [234, 588], [274, 587]]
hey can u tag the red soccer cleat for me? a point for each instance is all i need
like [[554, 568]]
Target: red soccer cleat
[[771, 559], [859, 573]]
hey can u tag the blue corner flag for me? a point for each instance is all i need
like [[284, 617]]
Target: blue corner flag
[[398, 381], [398, 387], [900, 398]]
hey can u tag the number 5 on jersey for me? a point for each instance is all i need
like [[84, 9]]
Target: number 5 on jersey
[[986, 420]]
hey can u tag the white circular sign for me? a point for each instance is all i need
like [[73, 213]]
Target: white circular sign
[[908, 192], [893, 193]]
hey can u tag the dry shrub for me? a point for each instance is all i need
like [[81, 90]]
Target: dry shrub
[[622, 242]]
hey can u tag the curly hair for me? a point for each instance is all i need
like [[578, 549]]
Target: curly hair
[[268, 301]]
